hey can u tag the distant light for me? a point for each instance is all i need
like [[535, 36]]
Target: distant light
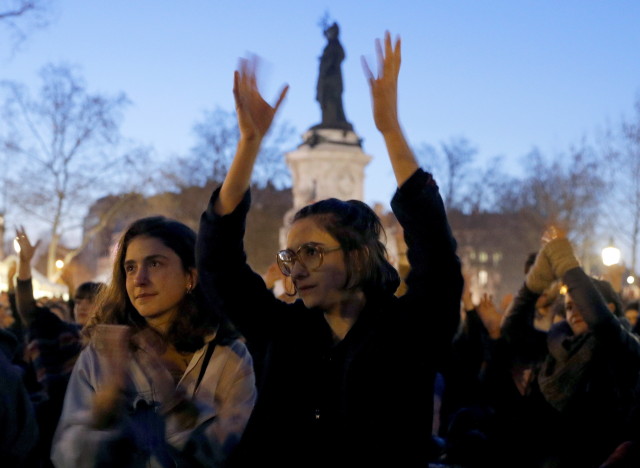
[[59, 264], [630, 279], [563, 289], [610, 255], [483, 277]]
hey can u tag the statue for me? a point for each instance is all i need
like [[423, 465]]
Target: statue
[[329, 88]]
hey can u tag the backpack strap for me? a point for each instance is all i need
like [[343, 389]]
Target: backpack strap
[[211, 346]]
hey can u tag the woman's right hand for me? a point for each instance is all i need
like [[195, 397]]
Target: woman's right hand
[[255, 115], [112, 344]]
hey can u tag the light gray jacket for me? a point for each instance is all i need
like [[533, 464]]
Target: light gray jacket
[[146, 438]]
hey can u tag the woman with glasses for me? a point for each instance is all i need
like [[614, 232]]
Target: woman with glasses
[[346, 372]]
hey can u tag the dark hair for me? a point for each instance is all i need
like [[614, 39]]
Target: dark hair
[[196, 318], [88, 290], [358, 230], [610, 295]]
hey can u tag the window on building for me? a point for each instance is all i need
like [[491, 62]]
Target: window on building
[[483, 277], [483, 257], [497, 256]]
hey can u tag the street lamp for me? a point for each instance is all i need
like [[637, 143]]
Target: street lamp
[[610, 254]]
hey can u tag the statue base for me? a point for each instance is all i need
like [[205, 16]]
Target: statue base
[[346, 126], [318, 135]]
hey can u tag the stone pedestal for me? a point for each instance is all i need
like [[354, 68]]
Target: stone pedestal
[[329, 163]]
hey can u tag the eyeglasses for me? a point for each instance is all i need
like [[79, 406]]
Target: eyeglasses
[[310, 255]]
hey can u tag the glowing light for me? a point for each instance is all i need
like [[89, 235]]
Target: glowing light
[[630, 279], [59, 264], [610, 255]]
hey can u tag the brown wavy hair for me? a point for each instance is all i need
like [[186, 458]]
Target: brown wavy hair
[[196, 317]]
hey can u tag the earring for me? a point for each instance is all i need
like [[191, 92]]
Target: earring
[[189, 288]]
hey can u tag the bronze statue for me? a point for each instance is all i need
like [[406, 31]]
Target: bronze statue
[[329, 88]]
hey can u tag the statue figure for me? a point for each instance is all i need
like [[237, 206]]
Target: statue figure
[[329, 88]]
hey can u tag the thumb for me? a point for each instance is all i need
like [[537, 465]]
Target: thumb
[[283, 94]]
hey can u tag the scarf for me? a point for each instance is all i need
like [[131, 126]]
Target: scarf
[[567, 365]]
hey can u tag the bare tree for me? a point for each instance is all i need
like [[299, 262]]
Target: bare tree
[[451, 163], [566, 189], [216, 140], [66, 150], [18, 17], [622, 148]]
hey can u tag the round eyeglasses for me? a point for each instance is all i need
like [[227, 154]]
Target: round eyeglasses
[[310, 255]]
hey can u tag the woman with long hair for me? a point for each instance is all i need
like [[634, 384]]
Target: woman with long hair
[[165, 380]]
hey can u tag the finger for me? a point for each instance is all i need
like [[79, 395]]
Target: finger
[[398, 53], [367, 69], [388, 50], [283, 94], [380, 56], [243, 70], [252, 69], [236, 86]]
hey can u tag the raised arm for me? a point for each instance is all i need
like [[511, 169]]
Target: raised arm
[[18, 326], [255, 117], [25, 301], [384, 99]]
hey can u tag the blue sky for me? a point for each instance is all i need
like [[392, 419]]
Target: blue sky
[[506, 75]]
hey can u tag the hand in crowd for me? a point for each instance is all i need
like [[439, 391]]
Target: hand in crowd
[[467, 300], [272, 275], [489, 315], [553, 231], [152, 349], [112, 343], [27, 250], [255, 115], [11, 274]]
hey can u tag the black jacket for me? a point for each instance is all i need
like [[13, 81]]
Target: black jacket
[[368, 399]]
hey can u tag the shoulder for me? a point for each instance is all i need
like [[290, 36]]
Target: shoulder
[[88, 358], [237, 349]]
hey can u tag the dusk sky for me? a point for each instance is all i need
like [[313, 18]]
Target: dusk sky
[[506, 75]]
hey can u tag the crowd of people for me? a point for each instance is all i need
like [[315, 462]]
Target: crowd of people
[[188, 358]]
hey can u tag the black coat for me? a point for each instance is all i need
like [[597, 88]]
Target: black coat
[[368, 399]]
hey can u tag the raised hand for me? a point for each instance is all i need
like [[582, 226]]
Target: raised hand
[[11, 274], [553, 231], [490, 317], [255, 115], [467, 300], [384, 87], [384, 99], [26, 248]]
